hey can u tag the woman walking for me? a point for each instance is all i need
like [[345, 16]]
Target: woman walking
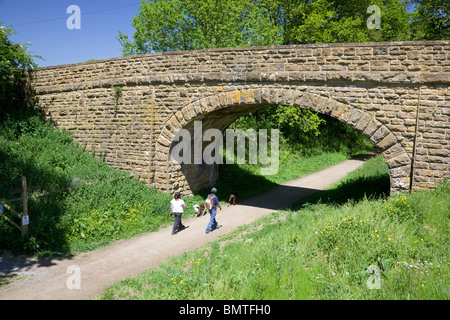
[[176, 208], [212, 203]]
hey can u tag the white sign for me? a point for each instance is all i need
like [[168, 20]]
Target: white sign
[[25, 220]]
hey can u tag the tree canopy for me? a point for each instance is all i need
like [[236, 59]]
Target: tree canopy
[[15, 60], [172, 25]]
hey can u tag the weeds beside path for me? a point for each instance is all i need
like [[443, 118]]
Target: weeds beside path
[[47, 278]]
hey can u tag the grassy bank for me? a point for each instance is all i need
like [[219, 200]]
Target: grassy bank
[[102, 204], [321, 251]]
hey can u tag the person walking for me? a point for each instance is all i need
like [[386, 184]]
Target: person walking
[[176, 208], [212, 202]]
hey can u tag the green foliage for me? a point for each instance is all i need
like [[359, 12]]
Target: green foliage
[[186, 25], [301, 119], [173, 25], [15, 60], [430, 20], [399, 209], [306, 133]]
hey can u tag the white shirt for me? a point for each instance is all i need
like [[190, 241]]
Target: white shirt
[[177, 205]]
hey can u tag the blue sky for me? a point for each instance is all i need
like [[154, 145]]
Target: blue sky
[[43, 23]]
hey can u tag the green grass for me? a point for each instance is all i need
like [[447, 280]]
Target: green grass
[[321, 251], [372, 180]]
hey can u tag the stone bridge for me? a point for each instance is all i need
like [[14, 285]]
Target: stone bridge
[[128, 109]]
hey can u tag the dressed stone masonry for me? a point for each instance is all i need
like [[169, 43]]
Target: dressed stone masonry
[[128, 109]]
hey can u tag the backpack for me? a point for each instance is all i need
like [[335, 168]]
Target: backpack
[[209, 204]]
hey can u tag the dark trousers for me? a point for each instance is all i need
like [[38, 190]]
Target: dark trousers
[[177, 226]]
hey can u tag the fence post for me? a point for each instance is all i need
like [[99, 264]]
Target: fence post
[[24, 218]]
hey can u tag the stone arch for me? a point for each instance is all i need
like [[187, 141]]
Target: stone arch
[[223, 108]]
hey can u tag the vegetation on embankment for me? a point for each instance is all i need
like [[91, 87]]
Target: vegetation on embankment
[[95, 204]]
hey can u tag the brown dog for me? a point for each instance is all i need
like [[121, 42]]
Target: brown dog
[[200, 210], [233, 197]]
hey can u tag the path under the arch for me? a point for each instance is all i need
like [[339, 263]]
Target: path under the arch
[[47, 278]]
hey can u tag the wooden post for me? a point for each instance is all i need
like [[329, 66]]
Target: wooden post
[[24, 218]]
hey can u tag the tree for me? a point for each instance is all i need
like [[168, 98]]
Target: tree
[[430, 19], [15, 61], [172, 25]]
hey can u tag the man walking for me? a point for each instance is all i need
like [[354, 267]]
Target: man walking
[[212, 202]]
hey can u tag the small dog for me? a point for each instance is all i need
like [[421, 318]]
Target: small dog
[[200, 210], [233, 196]]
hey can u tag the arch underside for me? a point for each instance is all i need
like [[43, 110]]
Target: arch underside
[[221, 110]]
